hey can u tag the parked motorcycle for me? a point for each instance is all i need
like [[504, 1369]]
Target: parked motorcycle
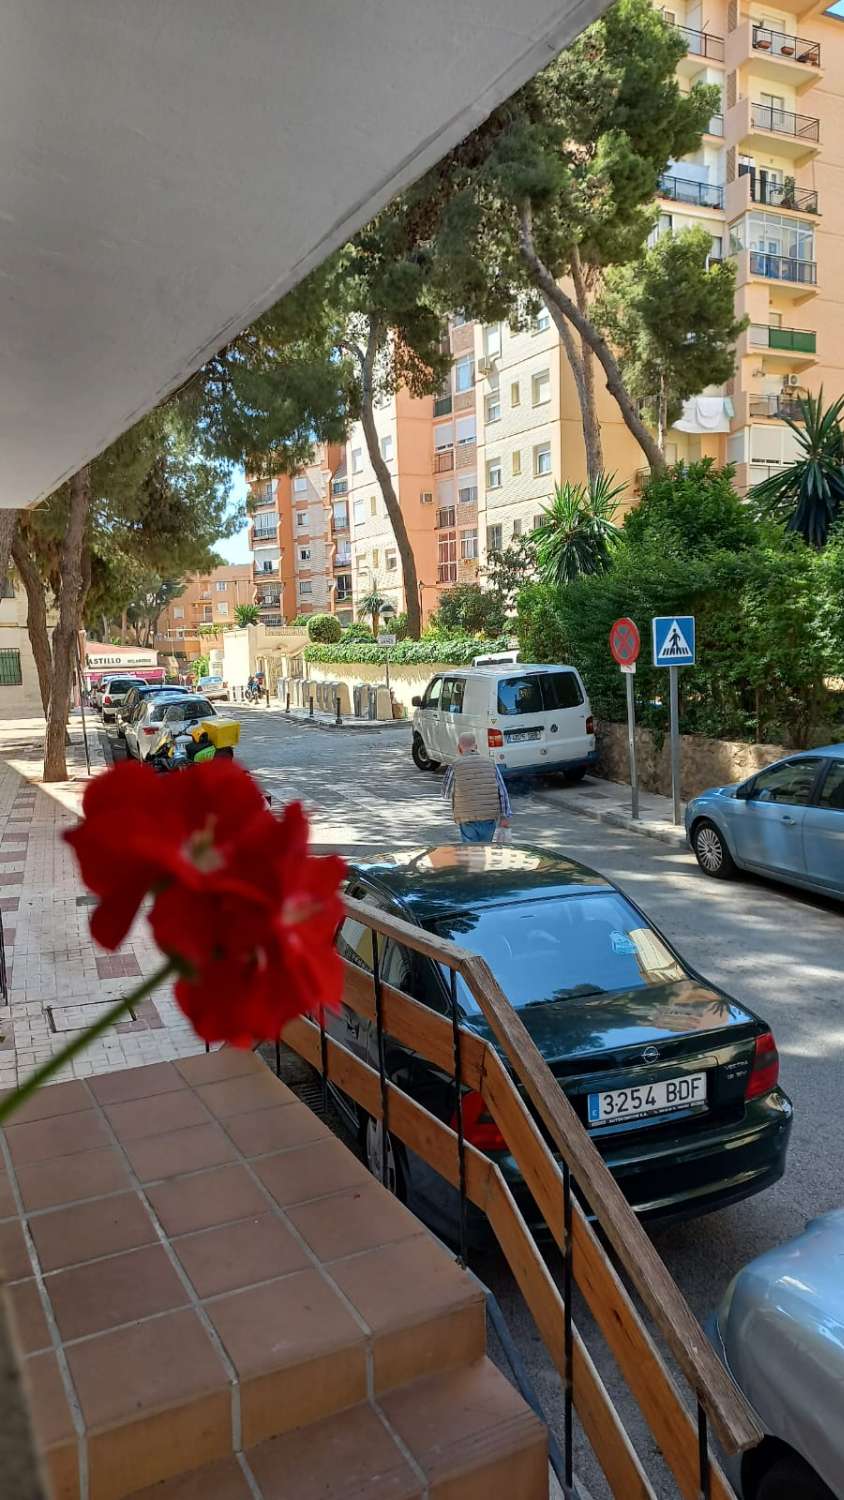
[[194, 743]]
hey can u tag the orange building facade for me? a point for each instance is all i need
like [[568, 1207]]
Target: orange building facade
[[207, 599]]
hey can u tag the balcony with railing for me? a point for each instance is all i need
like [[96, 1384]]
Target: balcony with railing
[[688, 190], [751, 124], [785, 269], [716, 126], [781, 404], [339, 522], [442, 405], [266, 570], [698, 44], [781, 44], [265, 533], [778, 56], [443, 460], [776, 194], [786, 341], [343, 557]]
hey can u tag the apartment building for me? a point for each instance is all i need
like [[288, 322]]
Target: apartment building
[[300, 551], [207, 599]]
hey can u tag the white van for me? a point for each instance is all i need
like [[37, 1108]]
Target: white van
[[527, 718]]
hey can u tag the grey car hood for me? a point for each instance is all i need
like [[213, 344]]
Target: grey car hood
[[782, 1326]]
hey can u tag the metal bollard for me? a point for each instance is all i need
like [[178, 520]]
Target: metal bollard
[[311, 706], [338, 716], [287, 709], [268, 697]]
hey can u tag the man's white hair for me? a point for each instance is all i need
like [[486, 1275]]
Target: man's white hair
[[467, 742]]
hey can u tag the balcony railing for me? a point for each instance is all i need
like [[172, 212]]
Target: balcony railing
[[702, 43], [266, 534], [782, 194], [342, 559], [443, 460], [779, 405], [782, 44], [716, 125], [267, 572], [784, 122], [269, 601], [792, 340], [686, 190], [339, 523], [339, 486], [783, 268], [442, 405]]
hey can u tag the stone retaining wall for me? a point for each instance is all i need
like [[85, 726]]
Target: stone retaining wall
[[703, 762]]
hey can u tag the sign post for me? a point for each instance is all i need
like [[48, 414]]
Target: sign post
[[385, 638], [625, 645], [674, 647]]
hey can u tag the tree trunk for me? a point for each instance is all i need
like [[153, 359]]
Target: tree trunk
[[124, 627], [71, 598], [561, 308], [408, 562], [662, 414], [589, 407], [36, 616], [8, 527]]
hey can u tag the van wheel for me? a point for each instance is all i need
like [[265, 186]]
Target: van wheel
[[791, 1479], [372, 1135], [421, 758], [711, 851]]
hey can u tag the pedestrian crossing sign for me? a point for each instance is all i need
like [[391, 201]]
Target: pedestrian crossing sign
[[674, 640]]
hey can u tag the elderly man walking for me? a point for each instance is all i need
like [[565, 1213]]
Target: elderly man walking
[[479, 800]]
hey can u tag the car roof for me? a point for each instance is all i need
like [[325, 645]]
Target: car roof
[[817, 750], [507, 669], [462, 877]]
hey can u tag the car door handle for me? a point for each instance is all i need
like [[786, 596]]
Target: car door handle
[[787, 818]]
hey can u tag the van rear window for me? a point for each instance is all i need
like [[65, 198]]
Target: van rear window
[[543, 692]]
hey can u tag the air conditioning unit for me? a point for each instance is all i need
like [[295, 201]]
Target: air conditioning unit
[[486, 365], [426, 497], [791, 381]]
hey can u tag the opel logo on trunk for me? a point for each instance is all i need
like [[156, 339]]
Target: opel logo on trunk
[[650, 1054]]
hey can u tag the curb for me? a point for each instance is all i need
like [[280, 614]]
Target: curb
[[663, 833]]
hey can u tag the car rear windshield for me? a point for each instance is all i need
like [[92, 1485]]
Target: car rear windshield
[[121, 684], [561, 949], [541, 692]]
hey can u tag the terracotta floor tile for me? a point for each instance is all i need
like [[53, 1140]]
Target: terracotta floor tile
[[127, 1372], [160, 1156], [56, 1099], [120, 1289], [299, 1354], [234, 1096], [276, 1129], [62, 1135], [48, 1408], [136, 1083], [311, 1172], [14, 1256], [238, 1255], [137, 1118], [226, 1062], [27, 1316], [8, 1207], [223, 1481], [356, 1220], [103, 1226], [209, 1198], [347, 1455], [87, 1174]]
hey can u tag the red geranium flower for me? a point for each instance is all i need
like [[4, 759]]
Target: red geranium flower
[[241, 907]]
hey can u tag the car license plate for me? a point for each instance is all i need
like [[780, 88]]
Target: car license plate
[[514, 736], [647, 1099]]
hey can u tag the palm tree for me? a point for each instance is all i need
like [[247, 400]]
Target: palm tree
[[808, 495], [578, 534], [373, 604]]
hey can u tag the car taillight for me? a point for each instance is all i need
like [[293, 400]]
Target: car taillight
[[479, 1128], [590, 725], [494, 739], [150, 729], [765, 1072], [106, 699]]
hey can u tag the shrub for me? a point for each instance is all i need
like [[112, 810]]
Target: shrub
[[301, 622], [357, 631], [468, 608], [324, 628], [454, 652]]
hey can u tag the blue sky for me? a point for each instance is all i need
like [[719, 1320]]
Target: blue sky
[[236, 549]]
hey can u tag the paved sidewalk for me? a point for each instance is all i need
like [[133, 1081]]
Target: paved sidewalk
[[609, 802], [58, 980]]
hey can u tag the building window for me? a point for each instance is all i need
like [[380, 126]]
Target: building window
[[465, 431], [493, 474], [447, 558], [10, 668], [458, 319], [515, 394], [541, 388], [468, 494], [207, 613], [469, 544], [517, 528], [542, 459], [178, 612], [464, 374], [304, 554], [386, 446], [516, 461], [538, 521], [373, 505], [360, 512], [301, 518], [542, 321], [357, 460], [300, 483], [221, 585], [445, 516], [376, 557], [305, 586], [360, 561], [492, 341], [492, 407], [222, 609], [494, 538], [391, 560]]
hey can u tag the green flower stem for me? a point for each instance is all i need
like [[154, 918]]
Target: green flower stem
[[14, 1100]]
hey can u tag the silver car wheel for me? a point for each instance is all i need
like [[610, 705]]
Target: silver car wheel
[[375, 1155], [709, 849]]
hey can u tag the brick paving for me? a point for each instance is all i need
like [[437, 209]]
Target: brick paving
[[58, 980]]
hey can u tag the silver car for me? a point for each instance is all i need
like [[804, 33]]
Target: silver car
[[166, 711], [780, 1332], [214, 688], [786, 821]]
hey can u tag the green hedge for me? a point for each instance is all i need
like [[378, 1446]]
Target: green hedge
[[457, 652]]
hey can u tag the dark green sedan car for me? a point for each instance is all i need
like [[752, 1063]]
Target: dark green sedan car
[[676, 1082]]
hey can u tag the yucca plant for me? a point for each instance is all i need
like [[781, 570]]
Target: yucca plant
[[372, 604], [578, 532], [808, 495]]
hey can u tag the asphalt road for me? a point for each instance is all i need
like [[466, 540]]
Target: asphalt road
[[779, 952]]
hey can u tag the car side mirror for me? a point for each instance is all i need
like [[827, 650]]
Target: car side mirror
[[745, 793], [417, 701]]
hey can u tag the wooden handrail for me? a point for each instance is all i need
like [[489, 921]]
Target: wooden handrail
[[732, 1418]]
